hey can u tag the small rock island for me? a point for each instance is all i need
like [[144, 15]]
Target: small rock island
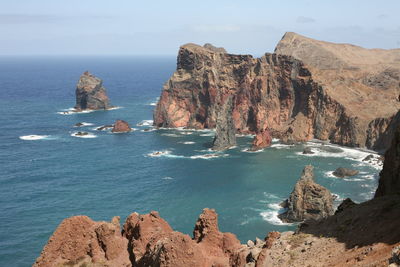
[[90, 93]]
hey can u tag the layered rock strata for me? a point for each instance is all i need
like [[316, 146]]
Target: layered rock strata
[[90, 93], [308, 200], [279, 94]]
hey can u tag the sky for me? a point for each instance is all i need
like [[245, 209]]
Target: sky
[[131, 27]]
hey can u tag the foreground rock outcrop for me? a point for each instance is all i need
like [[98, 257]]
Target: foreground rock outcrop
[[330, 98], [121, 126], [146, 240], [90, 93], [308, 200]]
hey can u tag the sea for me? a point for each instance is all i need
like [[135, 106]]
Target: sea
[[47, 173]]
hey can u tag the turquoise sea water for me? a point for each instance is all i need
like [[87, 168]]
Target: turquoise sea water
[[58, 175]]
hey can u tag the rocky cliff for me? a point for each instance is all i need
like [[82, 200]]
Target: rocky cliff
[[225, 129], [308, 200], [280, 94], [90, 93], [389, 181]]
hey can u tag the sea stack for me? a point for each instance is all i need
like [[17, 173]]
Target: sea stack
[[308, 200], [121, 126], [262, 140], [90, 93], [225, 130]]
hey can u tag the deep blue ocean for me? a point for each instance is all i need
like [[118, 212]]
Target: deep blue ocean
[[58, 175]]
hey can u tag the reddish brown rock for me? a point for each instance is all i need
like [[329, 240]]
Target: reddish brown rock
[[79, 240], [144, 230], [175, 250], [121, 126], [262, 140], [90, 93]]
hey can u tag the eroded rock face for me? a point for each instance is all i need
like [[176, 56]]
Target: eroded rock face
[[225, 129], [308, 200], [121, 126], [389, 181], [90, 93], [279, 93], [79, 240]]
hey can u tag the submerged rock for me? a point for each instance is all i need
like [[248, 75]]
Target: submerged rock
[[307, 150], [81, 133], [225, 130], [104, 127], [308, 200], [90, 93], [79, 124], [344, 172], [121, 126]]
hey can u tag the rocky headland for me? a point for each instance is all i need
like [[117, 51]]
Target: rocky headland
[[90, 93], [306, 89]]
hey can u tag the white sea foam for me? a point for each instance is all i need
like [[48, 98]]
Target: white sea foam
[[335, 151], [145, 123], [34, 137], [209, 156], [71, 111], [188, 142], [280, 146], [154, 103], [159, 153], [88, 135], [185, 133], [337, 197], [149, 130], [248, 150], [170, 135], [167, 178], [208, 134], [329, 174]]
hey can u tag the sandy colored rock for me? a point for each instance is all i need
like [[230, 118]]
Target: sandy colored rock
[[90, 93], [121, 126]]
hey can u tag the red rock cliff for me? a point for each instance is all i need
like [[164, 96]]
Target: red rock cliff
[[275, 93]]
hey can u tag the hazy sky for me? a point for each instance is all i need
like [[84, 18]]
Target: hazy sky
[[129, 27]]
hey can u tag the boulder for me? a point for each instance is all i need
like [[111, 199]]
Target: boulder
[[307, 150], [308, 200], [90, 93], [344, 172], [121, 126], [81, 133]]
